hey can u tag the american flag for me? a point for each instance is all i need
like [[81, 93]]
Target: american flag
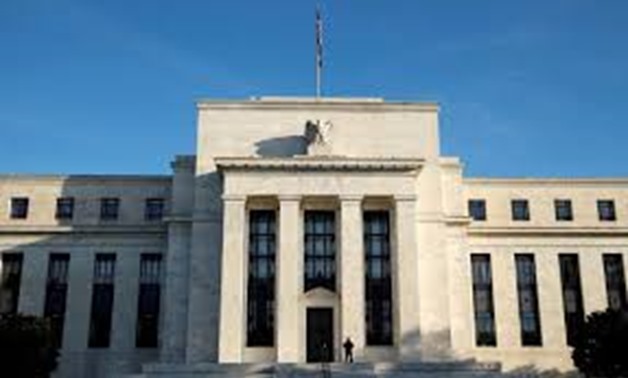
[[319, 38]]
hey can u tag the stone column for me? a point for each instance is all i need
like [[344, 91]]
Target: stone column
[[233, 281], [405, 280], [352, 274], [33, 286], [289, 281]]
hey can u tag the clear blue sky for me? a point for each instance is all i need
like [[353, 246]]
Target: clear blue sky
[[527, 88]]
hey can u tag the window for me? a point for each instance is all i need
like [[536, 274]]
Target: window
[[528, 300], [378, 285], [606, 210], [572, 296], [520, 210], [563, 210], [261, 283], [320, 250], [56, 294], [483, 300], [11, 275], [109, 208], [615, 281], [477, 209], [102, 300], [148, 301], [154, 209], [19, 208], [65, 208]]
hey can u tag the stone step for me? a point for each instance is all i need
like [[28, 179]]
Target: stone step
[[453, 369]]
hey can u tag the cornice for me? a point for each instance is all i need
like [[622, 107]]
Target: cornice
[[322, 163], [550, 181], [312, 103], [95, 229]]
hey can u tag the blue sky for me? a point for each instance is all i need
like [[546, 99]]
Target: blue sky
[[527, 88]]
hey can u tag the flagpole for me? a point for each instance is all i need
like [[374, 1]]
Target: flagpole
[[319, 50]]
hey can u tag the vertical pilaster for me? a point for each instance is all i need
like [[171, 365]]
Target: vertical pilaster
[[352, 273], [233, 281], [289, 281], [406, 283], [33, 286]]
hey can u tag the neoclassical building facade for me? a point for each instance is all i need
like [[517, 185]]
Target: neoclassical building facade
[[299, 223]]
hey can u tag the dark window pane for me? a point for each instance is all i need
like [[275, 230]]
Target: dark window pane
[[154, 209], [102, 300], [65, 208], [572, 296], [261, 282], [378, 287], [520, 210], [56, 294], [483, 300], [563, 210], [19, 208], [148, 302], [10, 282], [320, 250], [477, 209], [606, 210], [109, 208], [528, 300], [615, 281]]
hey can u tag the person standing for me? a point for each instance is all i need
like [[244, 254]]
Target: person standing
[[348, 346]]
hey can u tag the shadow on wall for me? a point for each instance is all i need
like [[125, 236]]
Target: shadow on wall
[[281, 146], [82, 237]]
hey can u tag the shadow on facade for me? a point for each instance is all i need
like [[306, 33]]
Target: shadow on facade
[[282, 146]]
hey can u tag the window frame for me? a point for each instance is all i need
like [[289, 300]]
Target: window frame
[[472, 205], [379, 323], [527, 288], [482, 287], [611, 216], [327, 257], [151, 214], [109, 208], [149, 300], [262, 231], [103, 298], [514, 206], [19, 212], [565, 205], [60, 213]]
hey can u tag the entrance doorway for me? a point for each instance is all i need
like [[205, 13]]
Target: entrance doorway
[[320, 334]]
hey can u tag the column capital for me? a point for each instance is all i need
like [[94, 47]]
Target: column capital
[[351, 198], [404, 197], [233, 197], [289, 197]]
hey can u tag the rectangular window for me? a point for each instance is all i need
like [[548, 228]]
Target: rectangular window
[[109, 208], [520, 210], [19, 208], [615, 281], [320, 250], [148, 301], [606, 210], [56, 294], [154, 209], [378, 284], [65, 208], [483, 300], [261, 283], [102, 300], [528, 300], [477, 209], [563, 209], [11, 275], [572, 296]]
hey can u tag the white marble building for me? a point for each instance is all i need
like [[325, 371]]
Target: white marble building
[[298, 223]]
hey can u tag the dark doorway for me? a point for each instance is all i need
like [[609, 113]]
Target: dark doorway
[[320, 335]]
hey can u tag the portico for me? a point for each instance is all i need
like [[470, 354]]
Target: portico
[[345, 188]]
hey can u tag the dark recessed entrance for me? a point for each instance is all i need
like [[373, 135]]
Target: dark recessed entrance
[[320, 334]]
